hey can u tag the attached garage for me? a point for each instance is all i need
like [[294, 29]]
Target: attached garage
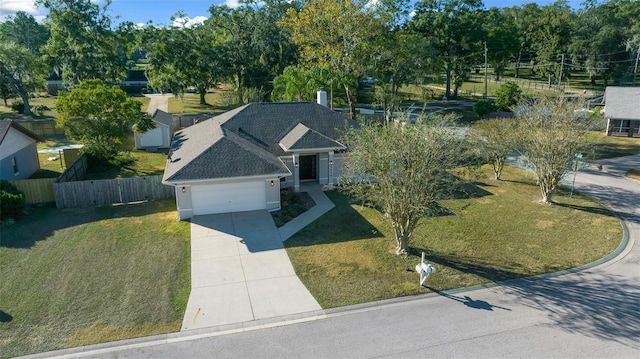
[[228, 197]]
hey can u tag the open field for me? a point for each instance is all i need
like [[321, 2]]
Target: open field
[[348, 257], [80, 276]]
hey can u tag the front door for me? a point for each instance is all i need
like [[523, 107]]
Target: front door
[[308, 168]]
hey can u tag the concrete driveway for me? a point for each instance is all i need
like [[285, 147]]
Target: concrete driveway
[[241, 272]]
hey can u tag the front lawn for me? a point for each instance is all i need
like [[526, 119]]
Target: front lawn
[[80, 276], [348, 255]]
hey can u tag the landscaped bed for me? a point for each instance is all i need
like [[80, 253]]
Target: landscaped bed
[[348, 255], [80, 276]]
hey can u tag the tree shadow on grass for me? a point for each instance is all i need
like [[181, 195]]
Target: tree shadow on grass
[[341, 224], [470, 265], [43, 221]]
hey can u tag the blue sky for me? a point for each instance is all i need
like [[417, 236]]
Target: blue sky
[[160, 11]]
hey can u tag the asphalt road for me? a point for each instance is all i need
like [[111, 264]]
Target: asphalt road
[[590, 313]]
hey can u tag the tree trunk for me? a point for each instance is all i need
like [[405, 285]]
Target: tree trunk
[[448, 71], [546, 196], [27, 106], [202, 93], [352, 104], [240, 90]]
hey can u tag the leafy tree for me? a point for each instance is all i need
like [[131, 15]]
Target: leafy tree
[[24, 30], [291, 85], [6, 92], [336, 34], [198, 63], [502, 39], [493, 138], [483, 107], [454, 32], [548, 136], [100, 116], [402, 170], [600, 41], [524, 19], [551, 38], [82, 44], [507, 96], [23, 70]]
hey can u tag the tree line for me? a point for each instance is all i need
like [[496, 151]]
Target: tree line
[[285, 50]]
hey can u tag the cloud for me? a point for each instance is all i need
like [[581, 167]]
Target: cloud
[[188, 22], [234, 4], [10, 7]]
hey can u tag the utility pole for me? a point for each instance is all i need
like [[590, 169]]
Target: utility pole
[[635, 68], [485, 94], [561, 68]]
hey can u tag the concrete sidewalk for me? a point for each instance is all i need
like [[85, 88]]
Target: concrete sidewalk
[[240, 271]]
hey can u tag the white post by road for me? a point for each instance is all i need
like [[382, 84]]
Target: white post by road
[[424, 270]]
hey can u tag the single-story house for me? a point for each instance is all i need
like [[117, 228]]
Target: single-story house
[[18, 151], [622, 111], [239, 160], [158, 137]]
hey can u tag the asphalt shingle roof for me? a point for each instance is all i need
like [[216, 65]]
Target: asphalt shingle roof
[[247, 141], [163, 118], [622, 103], [5, 125], [304, 138]]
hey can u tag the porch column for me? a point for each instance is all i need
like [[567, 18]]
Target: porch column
[[330, 184], [296, 172]]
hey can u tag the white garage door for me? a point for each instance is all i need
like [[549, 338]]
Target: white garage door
[[229, 197], [152, 138]]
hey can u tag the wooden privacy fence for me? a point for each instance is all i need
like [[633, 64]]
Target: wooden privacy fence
[[44, 127], [36, 191], [112, 191], [76, 171]]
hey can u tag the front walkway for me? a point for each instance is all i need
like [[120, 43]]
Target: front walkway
[[240, 271]]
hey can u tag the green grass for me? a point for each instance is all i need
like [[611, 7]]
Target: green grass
[[634, 173], [218, 100], [611, 146], [77, 276], [48, 101], [348, 255]]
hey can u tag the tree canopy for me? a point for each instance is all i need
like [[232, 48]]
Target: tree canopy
[[403, 170], [99, 116]]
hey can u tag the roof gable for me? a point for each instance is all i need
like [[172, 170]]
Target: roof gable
[[163, 118], [622, 103], [206, 151], [302, 137], [5, 125]]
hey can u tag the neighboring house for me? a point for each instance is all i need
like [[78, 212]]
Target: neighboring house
[[239, 160], [136, 78], [54, 84], [18, 152], [160, 136], [622, 111]]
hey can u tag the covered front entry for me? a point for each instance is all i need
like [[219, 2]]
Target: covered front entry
[[228, 197], [308, 168]]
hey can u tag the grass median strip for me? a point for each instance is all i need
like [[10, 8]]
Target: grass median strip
[[347, 256], [80, 276]]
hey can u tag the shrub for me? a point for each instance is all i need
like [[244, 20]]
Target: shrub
[[483, 108], [17, 106], [12, 201], [507, 96]]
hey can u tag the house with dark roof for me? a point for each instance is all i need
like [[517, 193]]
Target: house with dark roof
[[239, 160], [18, 152], [158, 137], [622, 111]]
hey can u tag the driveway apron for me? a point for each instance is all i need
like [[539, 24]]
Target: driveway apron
[[241, 272]]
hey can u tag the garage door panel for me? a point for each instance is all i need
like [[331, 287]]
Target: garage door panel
[[228, 197], [152, 138]]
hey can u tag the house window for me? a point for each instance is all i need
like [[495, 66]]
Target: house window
[[14, 164]]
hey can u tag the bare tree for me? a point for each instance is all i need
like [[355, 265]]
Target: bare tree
[[549, 135], [494, 140], [401, 169]]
